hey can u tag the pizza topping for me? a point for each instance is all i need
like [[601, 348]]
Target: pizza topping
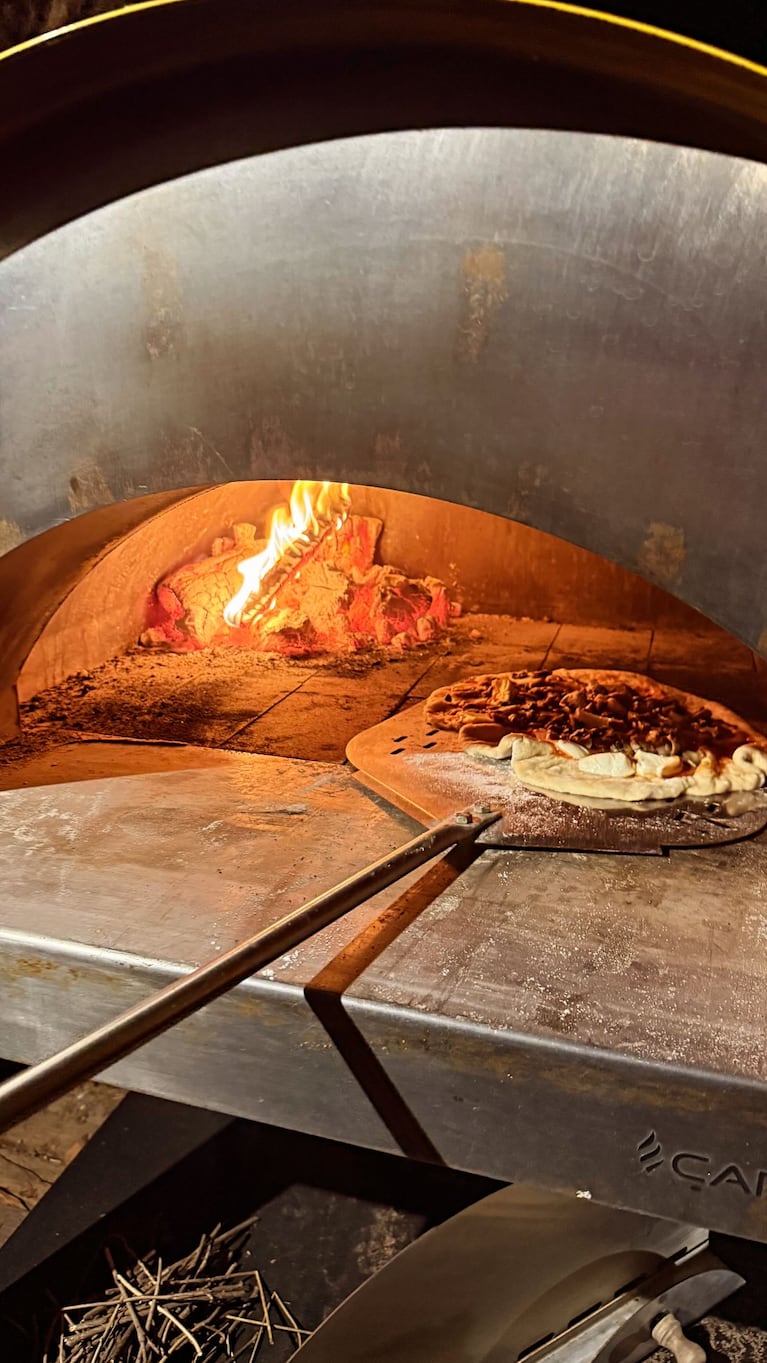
[[570, 749], [590, 720], [750, 756], [657, 764], [477, 731], [607, 764], [596, 715], [613, 735]]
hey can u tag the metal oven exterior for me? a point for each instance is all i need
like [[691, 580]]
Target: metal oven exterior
[[549, 302]]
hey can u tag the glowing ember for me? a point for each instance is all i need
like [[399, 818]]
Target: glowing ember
[[311, 586]]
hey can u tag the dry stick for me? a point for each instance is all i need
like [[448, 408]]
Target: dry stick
[[261, 1324], [247, 1345], [202, 1263], [227, 1338], [82, 1332], [120, 1341], [229, 1275], [186, 1295], [205, 1324], [124, 1288], [153, 1303], [112, 1321], [146, 1298], [293, 1324], [165, 1328], [265, 1307], [203, 1293], [178, 1343], [180, 1326], [237, 1230], [190, 1261]]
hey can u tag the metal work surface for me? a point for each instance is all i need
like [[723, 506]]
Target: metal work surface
[[37, 1085], [551, 1018], [560, 328], [425, 772]]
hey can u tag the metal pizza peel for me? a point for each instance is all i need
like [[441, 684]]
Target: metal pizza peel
[[527, 1275], [425, 773], [683, 1301]]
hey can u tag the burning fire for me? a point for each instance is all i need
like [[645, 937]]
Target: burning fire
[[313, 508], [313, 585]]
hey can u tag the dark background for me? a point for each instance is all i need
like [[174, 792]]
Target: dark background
[[739, 25]]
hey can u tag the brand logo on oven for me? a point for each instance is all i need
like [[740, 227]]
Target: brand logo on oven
[[699, 1171]]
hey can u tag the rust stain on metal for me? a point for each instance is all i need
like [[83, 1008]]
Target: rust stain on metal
[[483, 271], [663, 553], [11, 534], [20, 967], [88, 489]]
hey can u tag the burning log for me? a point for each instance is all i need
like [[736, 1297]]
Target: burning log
[[327, 596], [186, 609]]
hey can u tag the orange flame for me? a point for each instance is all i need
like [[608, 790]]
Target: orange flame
[[314, 507]]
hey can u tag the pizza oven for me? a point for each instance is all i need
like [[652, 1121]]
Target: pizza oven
[[548, 455], [499, 341]]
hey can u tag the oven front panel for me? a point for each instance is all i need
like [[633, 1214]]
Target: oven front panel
[[567, 330]]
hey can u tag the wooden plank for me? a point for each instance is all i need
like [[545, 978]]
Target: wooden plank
[[34, 1153]]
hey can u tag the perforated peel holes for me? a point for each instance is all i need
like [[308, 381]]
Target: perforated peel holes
[[405, 741]]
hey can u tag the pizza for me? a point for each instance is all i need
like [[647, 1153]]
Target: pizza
[[610, 735]]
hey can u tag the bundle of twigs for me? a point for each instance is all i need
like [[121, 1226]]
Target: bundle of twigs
[[203, 1307]]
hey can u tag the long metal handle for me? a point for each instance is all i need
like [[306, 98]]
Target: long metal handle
[[27, 1092]]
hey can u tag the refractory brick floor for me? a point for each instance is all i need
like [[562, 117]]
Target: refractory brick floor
[[310, 708]]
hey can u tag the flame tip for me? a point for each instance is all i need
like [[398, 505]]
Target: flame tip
[[310, 504]]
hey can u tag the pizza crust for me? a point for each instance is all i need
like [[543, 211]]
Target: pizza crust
[[558, 766], [548, 770]]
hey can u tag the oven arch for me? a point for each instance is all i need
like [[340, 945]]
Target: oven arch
[[411, 311]]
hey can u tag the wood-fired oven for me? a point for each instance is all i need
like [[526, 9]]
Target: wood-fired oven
[[499, 268]]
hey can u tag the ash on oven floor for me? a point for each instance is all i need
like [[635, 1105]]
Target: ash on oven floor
[[311, 708]]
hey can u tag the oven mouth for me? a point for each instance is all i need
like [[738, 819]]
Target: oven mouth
[[100, 675]]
